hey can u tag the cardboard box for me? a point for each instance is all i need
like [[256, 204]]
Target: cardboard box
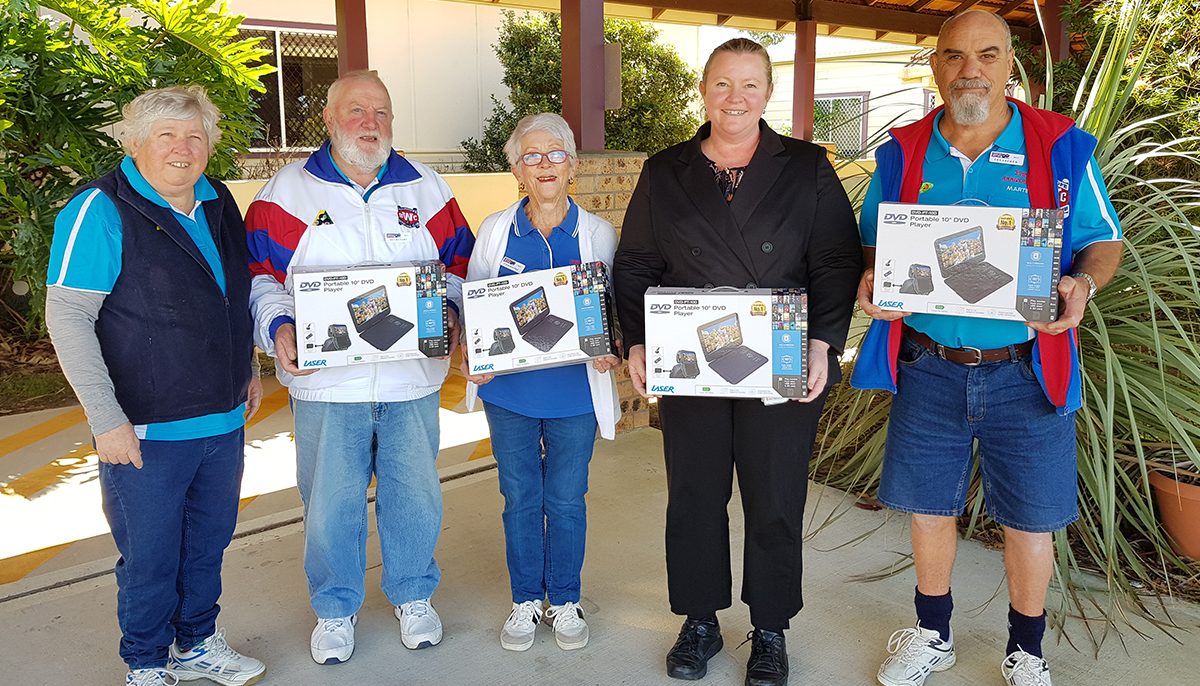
[[970, 261], [733, 343], [370, 313], [539, 319]]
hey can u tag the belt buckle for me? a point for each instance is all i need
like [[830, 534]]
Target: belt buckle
[[978, 356]]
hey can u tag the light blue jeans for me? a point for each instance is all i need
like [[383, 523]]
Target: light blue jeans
[[543, 470], [338, 447]]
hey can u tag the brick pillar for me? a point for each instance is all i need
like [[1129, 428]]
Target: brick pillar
[[604, 182]]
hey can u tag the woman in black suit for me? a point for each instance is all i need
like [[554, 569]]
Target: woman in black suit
[[738, 205]]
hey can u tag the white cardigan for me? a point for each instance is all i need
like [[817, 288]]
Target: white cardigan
[[597, 242]]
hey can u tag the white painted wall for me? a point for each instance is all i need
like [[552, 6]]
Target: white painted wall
[[437, 59]]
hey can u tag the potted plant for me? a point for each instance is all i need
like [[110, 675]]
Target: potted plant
[[1177, 494]]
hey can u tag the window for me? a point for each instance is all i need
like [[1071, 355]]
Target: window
[[306, 63], [841, 119]]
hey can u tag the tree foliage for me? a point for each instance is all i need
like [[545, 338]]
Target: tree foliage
[[1170, 73], [657, 88], [62, 85]]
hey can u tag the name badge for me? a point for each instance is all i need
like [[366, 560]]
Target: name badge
[[512, 265], [400, 237], [1010, 158]]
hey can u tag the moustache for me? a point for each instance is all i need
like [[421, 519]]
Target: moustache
[[971, 83]]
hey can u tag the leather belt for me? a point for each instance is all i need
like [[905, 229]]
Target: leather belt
[[970, 356]]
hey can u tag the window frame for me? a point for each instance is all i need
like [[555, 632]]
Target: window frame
[[277, 28], [863, 97]]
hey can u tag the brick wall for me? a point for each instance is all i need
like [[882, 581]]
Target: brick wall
[[604, 182]]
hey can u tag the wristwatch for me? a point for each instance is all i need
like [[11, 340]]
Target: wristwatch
[[1091, 283]]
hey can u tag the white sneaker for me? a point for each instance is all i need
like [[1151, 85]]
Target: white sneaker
[[518, 630], [570, 631], [213, 659], [915, 653], [155, 676], [420, 626], [1022, 669], [332, 640]]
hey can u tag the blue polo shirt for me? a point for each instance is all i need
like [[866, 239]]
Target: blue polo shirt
[[541, 393], [86, 255], [998, 180]]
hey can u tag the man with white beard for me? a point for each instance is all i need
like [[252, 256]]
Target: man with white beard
[[355, 200], [1009, 387]]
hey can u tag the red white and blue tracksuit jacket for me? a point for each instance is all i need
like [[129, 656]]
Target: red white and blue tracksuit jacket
[[309, 214], [1058, 154]]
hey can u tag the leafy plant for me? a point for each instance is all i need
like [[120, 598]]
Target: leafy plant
[[60, 95], [657, 88], [1140, 358]]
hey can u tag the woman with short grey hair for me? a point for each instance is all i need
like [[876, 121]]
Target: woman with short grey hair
[[178, 102], [148, 306], [543, 422]]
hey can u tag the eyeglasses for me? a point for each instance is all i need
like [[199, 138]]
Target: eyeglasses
[[533, 159]]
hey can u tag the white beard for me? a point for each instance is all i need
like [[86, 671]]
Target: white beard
[[970, 108], [350, 149]]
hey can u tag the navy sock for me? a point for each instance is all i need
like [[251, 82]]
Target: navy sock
[[933, 612], [1025, 632]]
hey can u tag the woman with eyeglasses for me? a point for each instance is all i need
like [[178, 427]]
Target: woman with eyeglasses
[[543, 422]]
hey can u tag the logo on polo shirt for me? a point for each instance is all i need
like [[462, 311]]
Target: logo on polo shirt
[[926, 186], [408, 217], [323, 219]]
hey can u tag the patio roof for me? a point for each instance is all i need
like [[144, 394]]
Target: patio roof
[[901, 21]]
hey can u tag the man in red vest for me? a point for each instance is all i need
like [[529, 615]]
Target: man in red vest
[[1009, 387]]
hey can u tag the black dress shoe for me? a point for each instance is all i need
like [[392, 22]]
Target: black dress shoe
[[698, 641], [768, 665]]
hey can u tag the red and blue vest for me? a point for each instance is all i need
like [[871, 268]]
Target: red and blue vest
[[1058, 154]]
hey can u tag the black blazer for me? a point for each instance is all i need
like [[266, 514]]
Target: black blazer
[[790, 225]]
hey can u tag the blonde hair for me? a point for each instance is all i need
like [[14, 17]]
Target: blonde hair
[[741, 46], [177, 102]]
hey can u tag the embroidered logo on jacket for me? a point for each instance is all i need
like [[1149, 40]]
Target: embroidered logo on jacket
[[323, 219], [408, 216], [1064, 196]]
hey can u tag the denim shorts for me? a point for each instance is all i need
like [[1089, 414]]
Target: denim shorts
[[1027, 451]]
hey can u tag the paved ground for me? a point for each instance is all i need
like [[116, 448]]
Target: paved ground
[[68, 634], [59, 624]]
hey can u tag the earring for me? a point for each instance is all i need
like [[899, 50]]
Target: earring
[[520, 187]]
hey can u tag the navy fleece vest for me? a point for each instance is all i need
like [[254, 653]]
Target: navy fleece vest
[[175, 347]]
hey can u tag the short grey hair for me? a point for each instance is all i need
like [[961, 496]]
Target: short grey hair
[[340, 82], [177, 102], [549, 122], [954, 18]]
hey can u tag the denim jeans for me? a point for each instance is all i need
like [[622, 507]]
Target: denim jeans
[[338, 448], [543, 467], [1026, 450], [171, 521]]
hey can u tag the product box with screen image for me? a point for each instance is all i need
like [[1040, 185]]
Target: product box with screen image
[[727, 342], [370, 313], [538, 319], [969, 260]]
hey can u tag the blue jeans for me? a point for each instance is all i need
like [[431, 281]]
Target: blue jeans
[[171, 521], [543, 466], [1026, 450], [338, 447]]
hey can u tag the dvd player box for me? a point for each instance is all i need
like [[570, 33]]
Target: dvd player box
[[361, 314], [539, 319], [727, 342], [969, 260]]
